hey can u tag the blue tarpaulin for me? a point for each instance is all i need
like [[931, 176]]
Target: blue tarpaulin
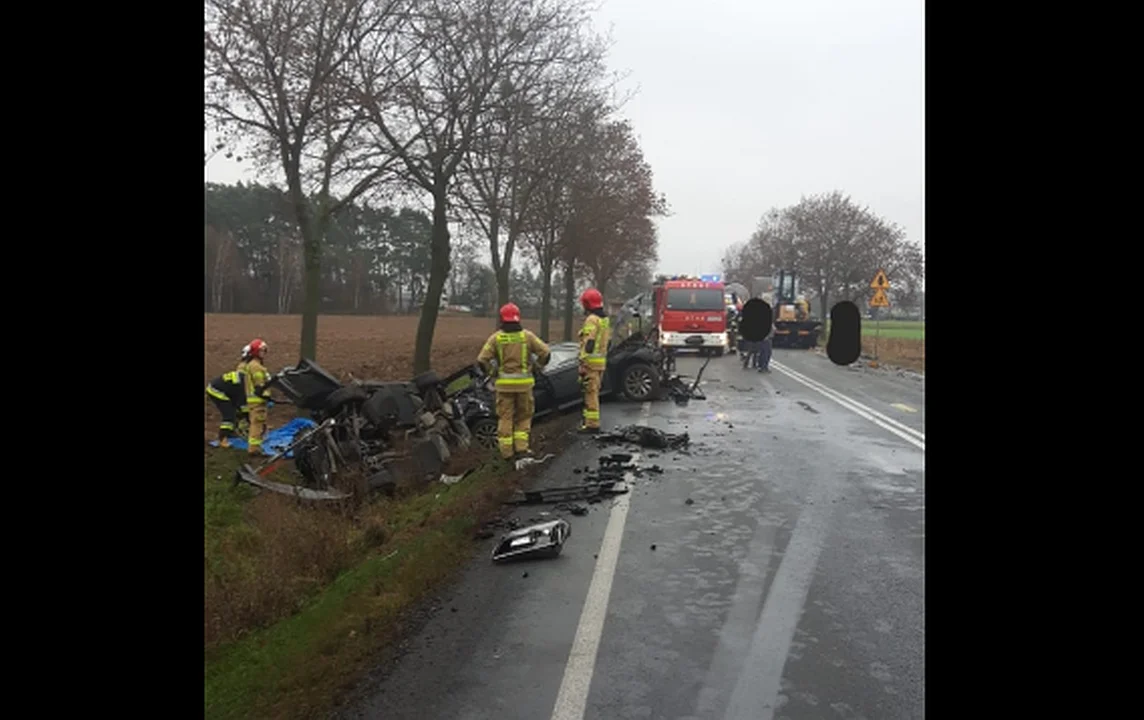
[[277, 439]]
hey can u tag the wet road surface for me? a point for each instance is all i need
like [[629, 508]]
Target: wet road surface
[[790, 587]]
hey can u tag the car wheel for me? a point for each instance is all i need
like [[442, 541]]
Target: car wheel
[[640, 382], [484, 432]]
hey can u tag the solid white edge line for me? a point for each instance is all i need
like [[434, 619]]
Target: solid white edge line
[[572, 698], [841, 400], [826, 388]]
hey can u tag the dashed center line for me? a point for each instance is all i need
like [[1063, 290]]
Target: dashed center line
[[572, 699]]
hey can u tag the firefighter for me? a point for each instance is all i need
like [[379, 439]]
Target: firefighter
[[506, 357], [228, 393], [256, 377], [594, 336]]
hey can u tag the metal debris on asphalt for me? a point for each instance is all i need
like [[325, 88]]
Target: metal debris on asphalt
[[526, 461], [645, 436], [544, 540]]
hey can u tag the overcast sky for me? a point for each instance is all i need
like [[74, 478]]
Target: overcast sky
[[744, 105]]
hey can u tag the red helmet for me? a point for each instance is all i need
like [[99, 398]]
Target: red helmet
[[257, 348], [510, 313], [592, 299]]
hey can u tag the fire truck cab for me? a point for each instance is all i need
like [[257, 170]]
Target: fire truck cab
[[691, 313]]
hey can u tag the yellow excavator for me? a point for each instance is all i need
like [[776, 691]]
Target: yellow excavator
[[794, 327]]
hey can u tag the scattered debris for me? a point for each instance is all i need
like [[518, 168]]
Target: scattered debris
[[525, 574], [572, 508], [806, 406], [454, 479], [645, 436], [587, 492], [689, 501], [653, 546], [526, 461], [543, 540]]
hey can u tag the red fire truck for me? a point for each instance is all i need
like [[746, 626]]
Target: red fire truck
[[691, 313]]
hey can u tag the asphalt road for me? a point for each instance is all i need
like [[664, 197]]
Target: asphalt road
[[791, 587]]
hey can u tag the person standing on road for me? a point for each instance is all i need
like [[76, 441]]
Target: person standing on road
[[506, 357], [753, 324], [257, 396], [765, 349], [594, 337]]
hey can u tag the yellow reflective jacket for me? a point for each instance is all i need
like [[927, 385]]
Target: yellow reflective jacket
[[511, 350], [599, 329], [256, 377]]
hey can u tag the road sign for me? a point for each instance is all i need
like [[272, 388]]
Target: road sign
[[880, 299], [880, 282]]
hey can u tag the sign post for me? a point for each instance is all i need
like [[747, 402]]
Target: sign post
[[880, 285]]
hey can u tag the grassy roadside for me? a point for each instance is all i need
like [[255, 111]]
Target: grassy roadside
[[897, 343], [334, 595]]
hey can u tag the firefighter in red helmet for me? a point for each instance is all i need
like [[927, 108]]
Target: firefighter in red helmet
[[256, 377], [507, 356], [594, 337]]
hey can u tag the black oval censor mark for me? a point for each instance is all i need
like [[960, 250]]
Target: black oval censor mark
[[844, 344], [756, 320]]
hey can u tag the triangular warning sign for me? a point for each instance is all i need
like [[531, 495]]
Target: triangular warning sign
[[880, 281], [880, 299]]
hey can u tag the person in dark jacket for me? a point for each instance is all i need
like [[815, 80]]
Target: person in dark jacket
[[753, 324]]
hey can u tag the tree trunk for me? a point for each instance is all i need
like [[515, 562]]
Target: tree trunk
[[545, 297], [569, 300], [438, 272], [312, 233]]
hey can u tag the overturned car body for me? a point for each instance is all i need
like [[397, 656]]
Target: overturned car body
[[369, 433]]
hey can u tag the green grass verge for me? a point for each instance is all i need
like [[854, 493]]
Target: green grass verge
[[899, 329], [297, 666]]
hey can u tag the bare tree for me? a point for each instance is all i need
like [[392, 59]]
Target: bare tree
[[223, 261], [275, 72], [452, 57], [834, 244], [525, 125], [615, 204], [289, 258]]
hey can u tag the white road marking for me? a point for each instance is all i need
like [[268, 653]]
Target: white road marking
[[903, 407], [907, 433], [757, 689], [572, 698]]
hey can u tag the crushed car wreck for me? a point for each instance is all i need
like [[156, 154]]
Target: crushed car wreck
[[637, 371], [368, 434]]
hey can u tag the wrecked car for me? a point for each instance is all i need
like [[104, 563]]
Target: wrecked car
[[636, 370], [368, 433]]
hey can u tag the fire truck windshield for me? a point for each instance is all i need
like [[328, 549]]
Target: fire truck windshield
[[695, 299]]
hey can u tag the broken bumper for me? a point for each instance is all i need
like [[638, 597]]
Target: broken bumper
[[545, 540], [693, 340]]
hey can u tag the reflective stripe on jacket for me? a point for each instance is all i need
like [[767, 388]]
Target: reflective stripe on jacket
[[256, 377], [599, 329], [509, 374]]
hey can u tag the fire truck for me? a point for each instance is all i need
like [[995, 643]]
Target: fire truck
[[691, 313]]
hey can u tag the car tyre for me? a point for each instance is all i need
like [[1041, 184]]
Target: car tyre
[[639, 382], [484, 431]]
